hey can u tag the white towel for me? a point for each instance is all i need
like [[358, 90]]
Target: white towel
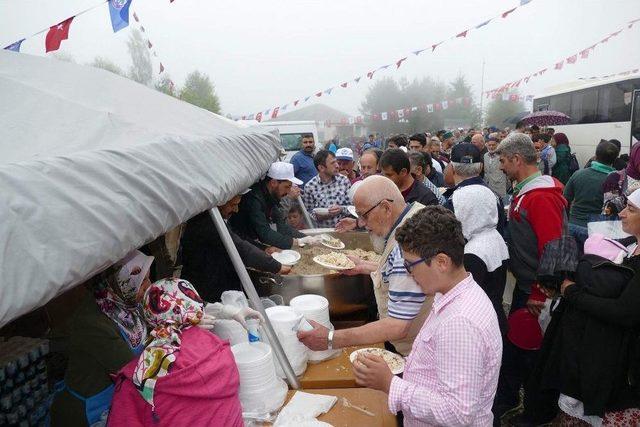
[[304, 407]]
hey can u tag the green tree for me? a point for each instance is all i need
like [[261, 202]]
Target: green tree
[[165, 85], [107, 64], [140, 69], [458, 113], [500, 110], [198, 90], [384, 95]]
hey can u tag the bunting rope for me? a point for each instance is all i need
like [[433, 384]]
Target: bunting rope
[[623, 73], [583, 54], [431, 48]]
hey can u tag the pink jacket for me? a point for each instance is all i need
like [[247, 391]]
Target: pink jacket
[[201, 388]]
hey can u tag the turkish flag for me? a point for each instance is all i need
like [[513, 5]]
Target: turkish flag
[[161, 68], [462, 34], [344, 84], [275, 112], [259, 116], [295, 103], [572, 59], [56, 34]]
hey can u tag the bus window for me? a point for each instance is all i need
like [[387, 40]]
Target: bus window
[[541, 104], [561, 103], [583, 106], [291, 141], [614, 102], [635, 119]]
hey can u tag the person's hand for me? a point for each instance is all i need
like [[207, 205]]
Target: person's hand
[[535, 307], [373, 372], [346, 224], [243, 313], [334, 210], [316, 339], [272, 249], [207, 322], [294, 193], [565, 285], [285, 269]]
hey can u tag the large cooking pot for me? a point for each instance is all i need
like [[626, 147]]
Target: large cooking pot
[[351, 298]]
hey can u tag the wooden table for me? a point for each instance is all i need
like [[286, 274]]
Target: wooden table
[[372, 400], [334, 373]]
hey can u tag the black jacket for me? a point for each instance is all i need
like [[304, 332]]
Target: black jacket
[[258, 209], [590, 348], [206, 263]]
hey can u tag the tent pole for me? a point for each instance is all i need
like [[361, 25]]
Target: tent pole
[[254, 299], [305, 212]]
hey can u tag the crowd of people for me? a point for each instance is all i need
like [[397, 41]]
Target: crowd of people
[[452, 215]]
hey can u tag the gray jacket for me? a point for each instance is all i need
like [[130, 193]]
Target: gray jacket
[[493, 175]]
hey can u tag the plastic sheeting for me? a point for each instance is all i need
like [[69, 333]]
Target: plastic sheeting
[[93, 165]]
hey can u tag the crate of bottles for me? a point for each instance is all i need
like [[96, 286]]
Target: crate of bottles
[[24, 384]]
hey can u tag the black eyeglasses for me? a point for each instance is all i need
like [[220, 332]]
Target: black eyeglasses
[[364, 215], [409, 265]]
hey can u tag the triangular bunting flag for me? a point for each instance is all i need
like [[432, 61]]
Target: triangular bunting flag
[[400, 114], [307, 98], [606, 39], [505, 14], [429, 108], [437, 106], [615, 34], [161, 68], [357, 79], [284, 107], [541, 72], [434, 46], [526, 79], [584, 54], [400, 61], [384, 67], [559, 65], [275, 112], [15, 47], [328, 91], [135, 17], [56, 34], [319, 94], [445, 105], [572, 59], [259, 116], [418, 52], [483, 24], [462, 34], [344, 84], [384, 115], [295, 103], [142, 29], [370, 74], [149, 45]]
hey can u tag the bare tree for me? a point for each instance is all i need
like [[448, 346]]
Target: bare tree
[[140, 69]]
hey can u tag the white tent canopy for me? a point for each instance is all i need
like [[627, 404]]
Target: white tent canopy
[[93, 165]]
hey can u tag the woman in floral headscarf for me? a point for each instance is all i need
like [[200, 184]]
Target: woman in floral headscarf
[[186, 376], [105, 332]]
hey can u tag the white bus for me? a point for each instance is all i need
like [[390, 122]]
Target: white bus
[[599, 109]]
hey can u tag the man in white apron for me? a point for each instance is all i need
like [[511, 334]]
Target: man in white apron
[[402, 306]]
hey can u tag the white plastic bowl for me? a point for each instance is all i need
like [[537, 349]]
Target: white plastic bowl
[[286, 257]]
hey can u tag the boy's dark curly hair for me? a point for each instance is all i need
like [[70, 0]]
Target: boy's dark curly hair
[[431, 231]]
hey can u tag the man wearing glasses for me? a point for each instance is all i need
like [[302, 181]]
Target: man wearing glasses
[[402, 306], [451, 375]]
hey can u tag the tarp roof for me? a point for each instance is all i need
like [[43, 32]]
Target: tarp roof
[[93, 165]]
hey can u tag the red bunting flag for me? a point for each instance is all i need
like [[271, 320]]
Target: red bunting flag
[[149, 45], [572, 59], [135, 17], [462, 34], [434, 46], [358, 119], [319, 94], [584, 54], [526, 79], [437, 106], [606, 39], [370, 74], [259, 116], [559, 65], [541, 72], [615, 34], [161, 68], [504, 15], [56, 34], [344, 85], [142, 29], [275, 112], [400, 61], [295, 103]]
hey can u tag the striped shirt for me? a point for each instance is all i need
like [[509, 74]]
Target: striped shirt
[[405, 295], [435, 190], [451, 374]]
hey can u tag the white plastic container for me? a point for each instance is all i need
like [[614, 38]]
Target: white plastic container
[[230, 330], [315, 307], [260, 390], [285, 322]]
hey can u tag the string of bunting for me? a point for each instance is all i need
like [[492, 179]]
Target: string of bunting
[[119, 14], [621, 74], [582, 55], [407, 112], [273, 112]]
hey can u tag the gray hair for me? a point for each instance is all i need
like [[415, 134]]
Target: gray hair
[[467, 170], [518, 143]]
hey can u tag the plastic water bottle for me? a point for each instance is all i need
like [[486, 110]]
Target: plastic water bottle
[[252, 328]]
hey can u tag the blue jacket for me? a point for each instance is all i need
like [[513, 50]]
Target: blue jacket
[[303, 166]]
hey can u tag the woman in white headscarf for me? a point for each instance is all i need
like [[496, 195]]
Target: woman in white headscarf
[[485, 254]]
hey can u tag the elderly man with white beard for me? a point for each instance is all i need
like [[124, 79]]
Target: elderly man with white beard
[[402, 306]]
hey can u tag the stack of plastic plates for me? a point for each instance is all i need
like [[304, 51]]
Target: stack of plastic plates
[[285, 322], [314, 307]]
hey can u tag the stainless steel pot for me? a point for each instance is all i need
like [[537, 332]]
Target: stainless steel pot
[[350, 297]]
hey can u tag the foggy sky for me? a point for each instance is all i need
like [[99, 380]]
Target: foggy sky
[[261, 54]]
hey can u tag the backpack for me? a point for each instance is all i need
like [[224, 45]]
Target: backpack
[[574, 166]]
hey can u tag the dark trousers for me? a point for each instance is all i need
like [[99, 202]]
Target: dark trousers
[[516, 366]]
